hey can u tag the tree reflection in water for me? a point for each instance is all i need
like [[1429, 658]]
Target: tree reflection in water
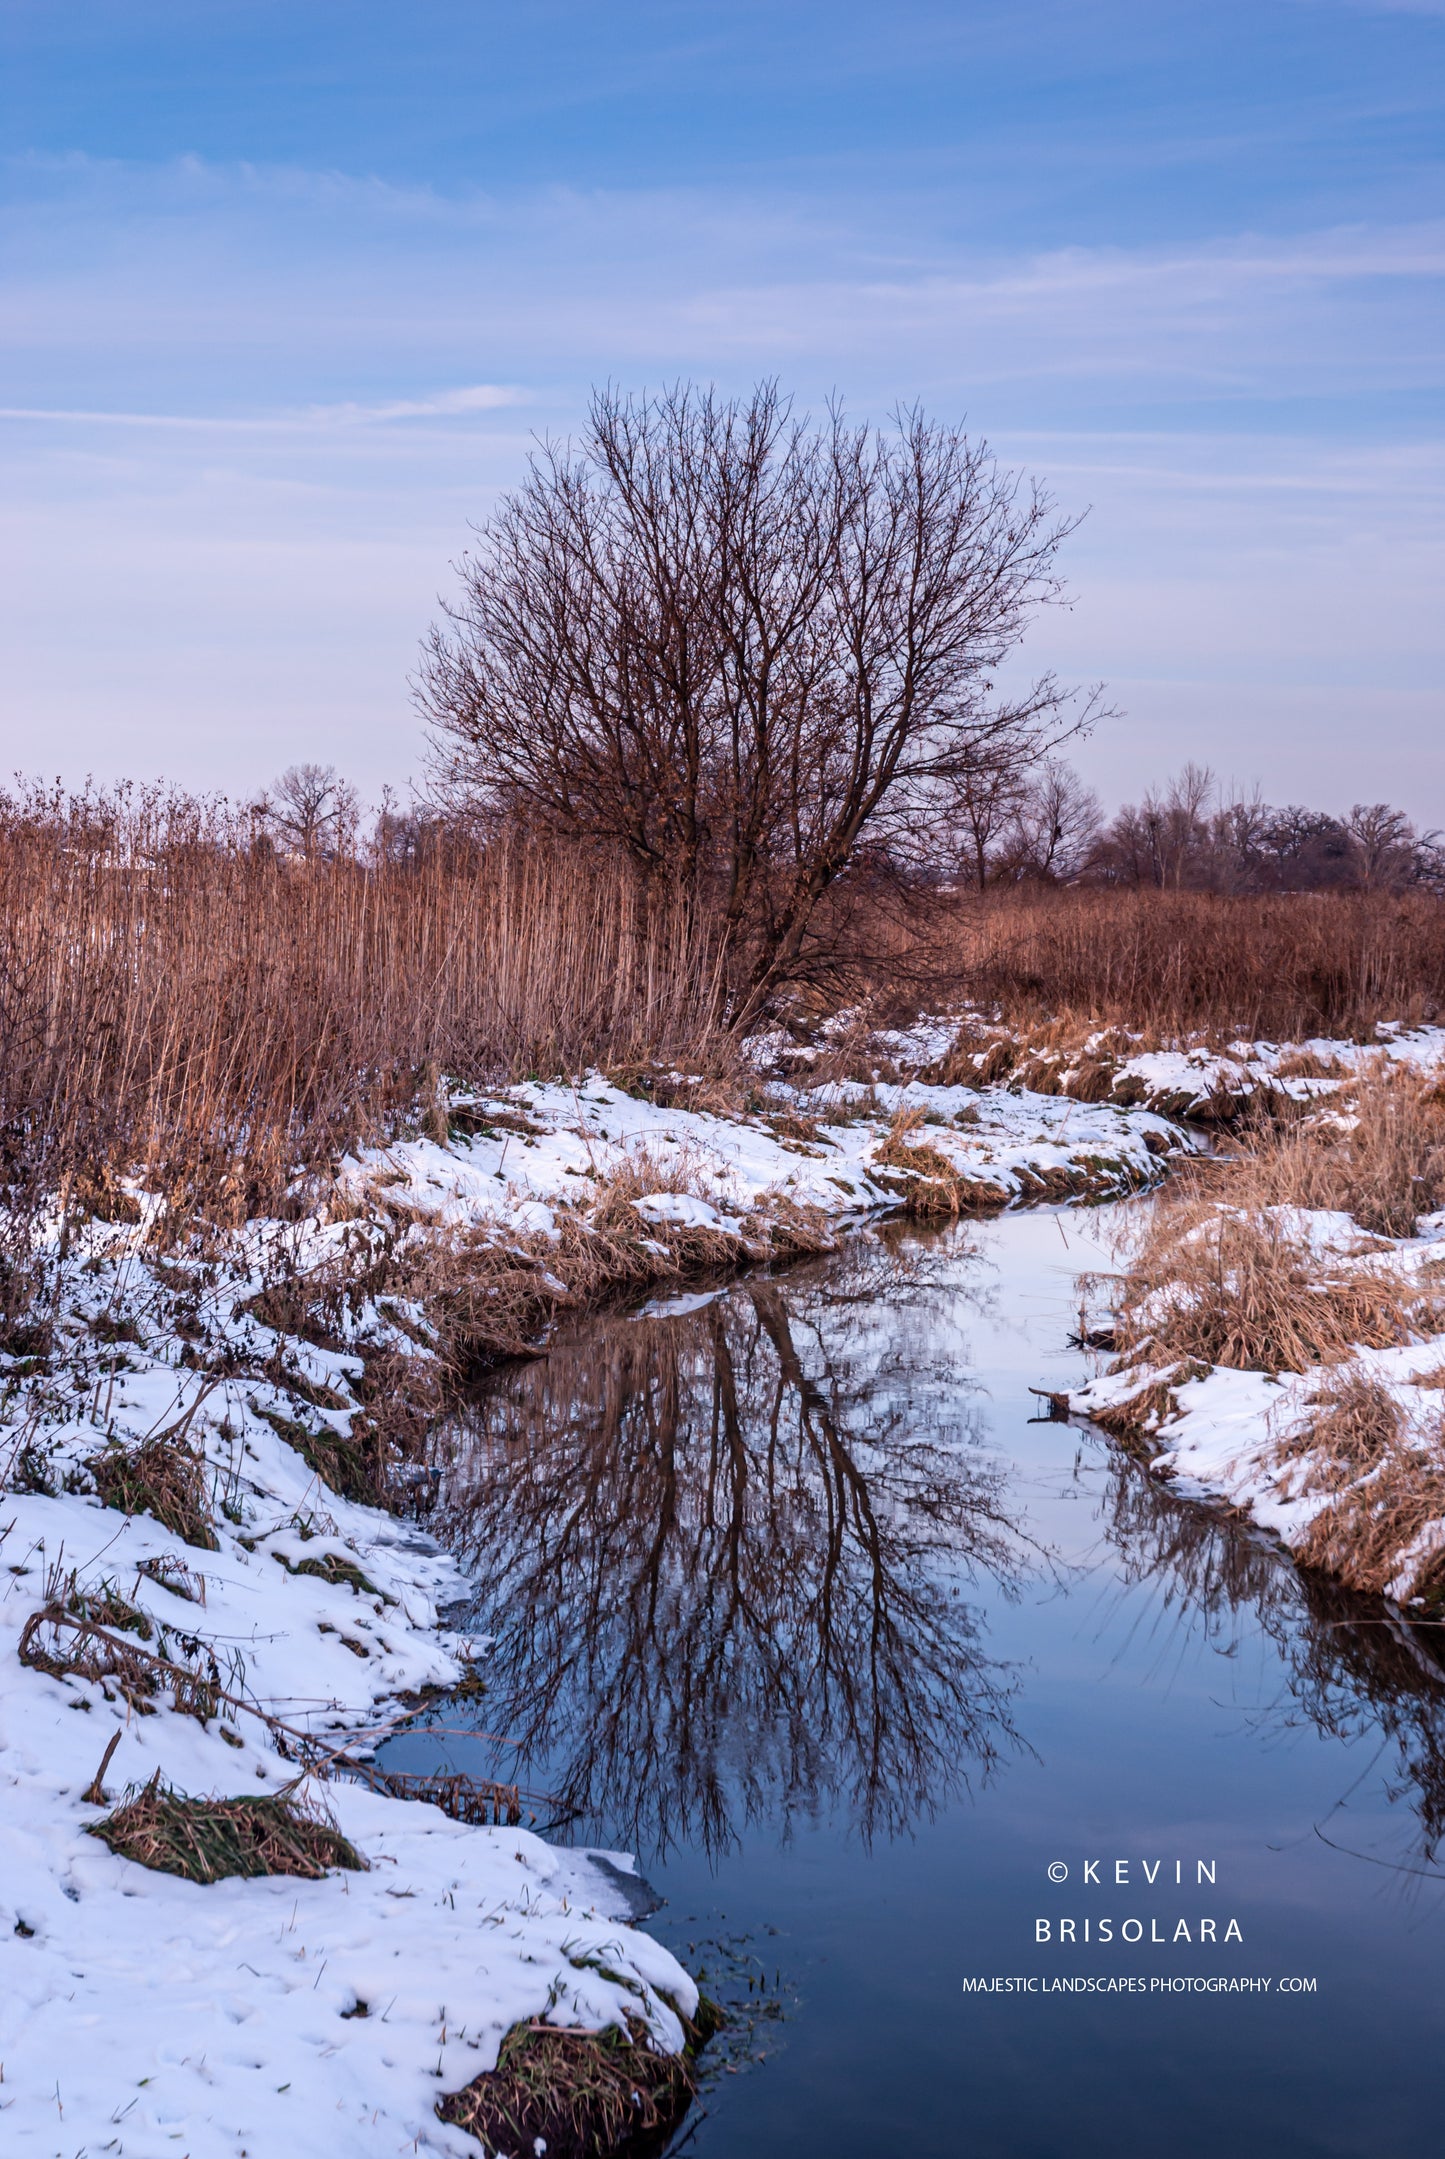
[[724, 1554], [1353, 1666]]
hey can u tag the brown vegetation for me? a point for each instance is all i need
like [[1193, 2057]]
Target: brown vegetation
[[924, 1180], [575, 2094], [184, 1009], [162, 1477], [182, 1005], [1385, 1474], [1167, 964], [206, 1840], [74, 1636], [1382, 1160], [1223, 1275], [1212, 1285]]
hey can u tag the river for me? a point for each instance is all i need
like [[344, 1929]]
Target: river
[[794, 1596]]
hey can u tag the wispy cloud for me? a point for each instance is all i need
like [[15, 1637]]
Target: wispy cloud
[[441, 404], [355, 295]]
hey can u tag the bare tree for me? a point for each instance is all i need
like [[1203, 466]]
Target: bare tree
[[1244, 844], [1384, 846], [733, 645], [1055, 826], [1159, 841], [310, 810], [985, 795]]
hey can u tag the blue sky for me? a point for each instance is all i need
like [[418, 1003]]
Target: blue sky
[[288, 290]]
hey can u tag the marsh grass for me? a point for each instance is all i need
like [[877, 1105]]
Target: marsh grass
[[1224, 1273], [576, 2094], [1383, 1471], [1211, 1285], [185, 1011], [1377, 1153], [1282, 968], [162, 1477], [208, 1840], [924, 1181]]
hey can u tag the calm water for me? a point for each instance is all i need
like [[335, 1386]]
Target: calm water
[[794, 1598]]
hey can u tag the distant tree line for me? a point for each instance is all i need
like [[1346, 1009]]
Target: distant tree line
[[1036, 824], [1041, 823]]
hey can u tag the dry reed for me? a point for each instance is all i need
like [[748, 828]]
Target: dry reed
[[1384, 1473], [182, 1006], [1174, 963], [1211, 1285], [1382, 1161], [1224, 1273]]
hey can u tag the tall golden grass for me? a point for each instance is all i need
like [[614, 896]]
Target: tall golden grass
[[179, 1001], [1280, 967], [1224, 1274]]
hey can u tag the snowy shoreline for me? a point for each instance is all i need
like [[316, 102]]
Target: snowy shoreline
[[1345, 1452]]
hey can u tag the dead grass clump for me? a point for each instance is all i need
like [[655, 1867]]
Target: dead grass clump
[[1135, 1421], [801, 1135], [66, 1639], [791, 1228], [1092, 1079], [1394, 1155], [1385, 1474], [1308, 1064], [208, 1840], [173, 1574], [575, 2094], [720, 1092], [1224, 1287], [1357, 1424], [923, 1179], [1383, 1162], [163, 1477], [488, 1300]]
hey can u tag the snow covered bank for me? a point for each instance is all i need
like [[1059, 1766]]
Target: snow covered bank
[[1288, 1358], [1198, 1081], [141, 2012], [524, 1156], [1253, 1440]]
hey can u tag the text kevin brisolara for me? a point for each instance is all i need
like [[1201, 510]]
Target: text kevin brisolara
[[1073, 1929]]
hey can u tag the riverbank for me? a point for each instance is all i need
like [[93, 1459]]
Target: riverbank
[[1279, 1331], [197, 1429]]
